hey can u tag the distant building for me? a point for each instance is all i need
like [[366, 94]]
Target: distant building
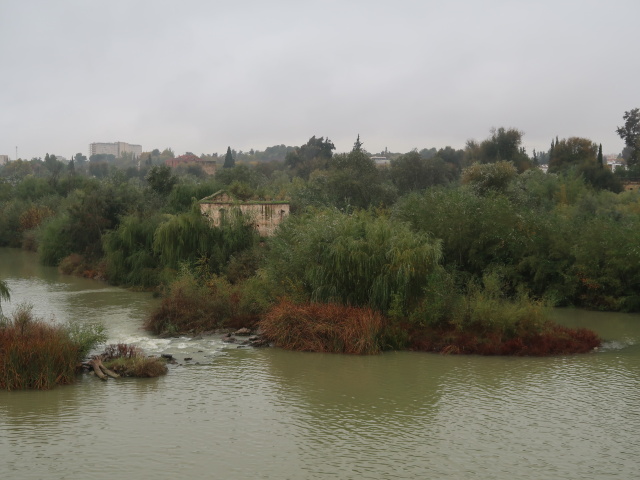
[[4, 159], [614, 163], [117, 149], [208, 166], [266, 215], [380, 161]]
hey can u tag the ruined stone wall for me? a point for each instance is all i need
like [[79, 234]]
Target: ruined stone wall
[[266, 216], [631, 185]]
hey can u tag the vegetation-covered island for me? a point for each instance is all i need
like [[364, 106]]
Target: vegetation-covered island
[[442, 250]]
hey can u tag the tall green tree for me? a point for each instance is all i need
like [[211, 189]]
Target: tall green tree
[[80, 159], [503, 144], [54, 167], [571, 152], [630, 133], [352, 180], [161, 180], [229, 162], [600, 157], [83, 218], [357, 146], [313, 155]]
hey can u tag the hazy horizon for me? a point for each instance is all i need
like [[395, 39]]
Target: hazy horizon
[[200, 76]]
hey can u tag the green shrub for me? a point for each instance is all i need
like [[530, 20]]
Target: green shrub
[[483, 321], [194, 305]]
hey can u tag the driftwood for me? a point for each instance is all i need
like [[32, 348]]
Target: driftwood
[[100, 370]]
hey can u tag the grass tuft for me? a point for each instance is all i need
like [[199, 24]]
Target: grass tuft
[[130, 361]]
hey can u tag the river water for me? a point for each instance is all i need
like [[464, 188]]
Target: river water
[[265, 413]]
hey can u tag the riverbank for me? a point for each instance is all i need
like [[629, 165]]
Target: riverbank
[[316, 415], [333, 328]]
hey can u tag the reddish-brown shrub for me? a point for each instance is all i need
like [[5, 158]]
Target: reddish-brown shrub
[[34, 354], [73, 264], [553, 340], [322, 327]]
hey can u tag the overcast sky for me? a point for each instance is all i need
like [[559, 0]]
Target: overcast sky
[[201, 75]]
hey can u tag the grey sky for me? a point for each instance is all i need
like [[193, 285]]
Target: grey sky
[[199, 75]]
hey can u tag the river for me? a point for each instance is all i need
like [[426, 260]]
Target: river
[[242, 413]]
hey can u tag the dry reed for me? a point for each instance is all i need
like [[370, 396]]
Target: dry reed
[[318, 327], [35, 354]]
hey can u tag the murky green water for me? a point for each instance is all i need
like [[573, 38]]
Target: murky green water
[[241, 413]]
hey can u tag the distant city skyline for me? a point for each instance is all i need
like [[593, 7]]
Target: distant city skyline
[[221, 151]]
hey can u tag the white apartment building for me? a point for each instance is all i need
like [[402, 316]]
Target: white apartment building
[[116, 149], [4, 159]]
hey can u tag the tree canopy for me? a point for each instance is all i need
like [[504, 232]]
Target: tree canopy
[[630, 133], [503, 144], [572, 152], [313, 155]]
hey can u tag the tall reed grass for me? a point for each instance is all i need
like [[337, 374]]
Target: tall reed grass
[[35, 354], [324, 327]]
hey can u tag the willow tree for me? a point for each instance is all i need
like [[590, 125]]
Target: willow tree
[[129, 254], [190, 236], [358, 259]]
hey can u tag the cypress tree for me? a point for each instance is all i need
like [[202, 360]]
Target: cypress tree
[[600, 159], [229, 162]]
